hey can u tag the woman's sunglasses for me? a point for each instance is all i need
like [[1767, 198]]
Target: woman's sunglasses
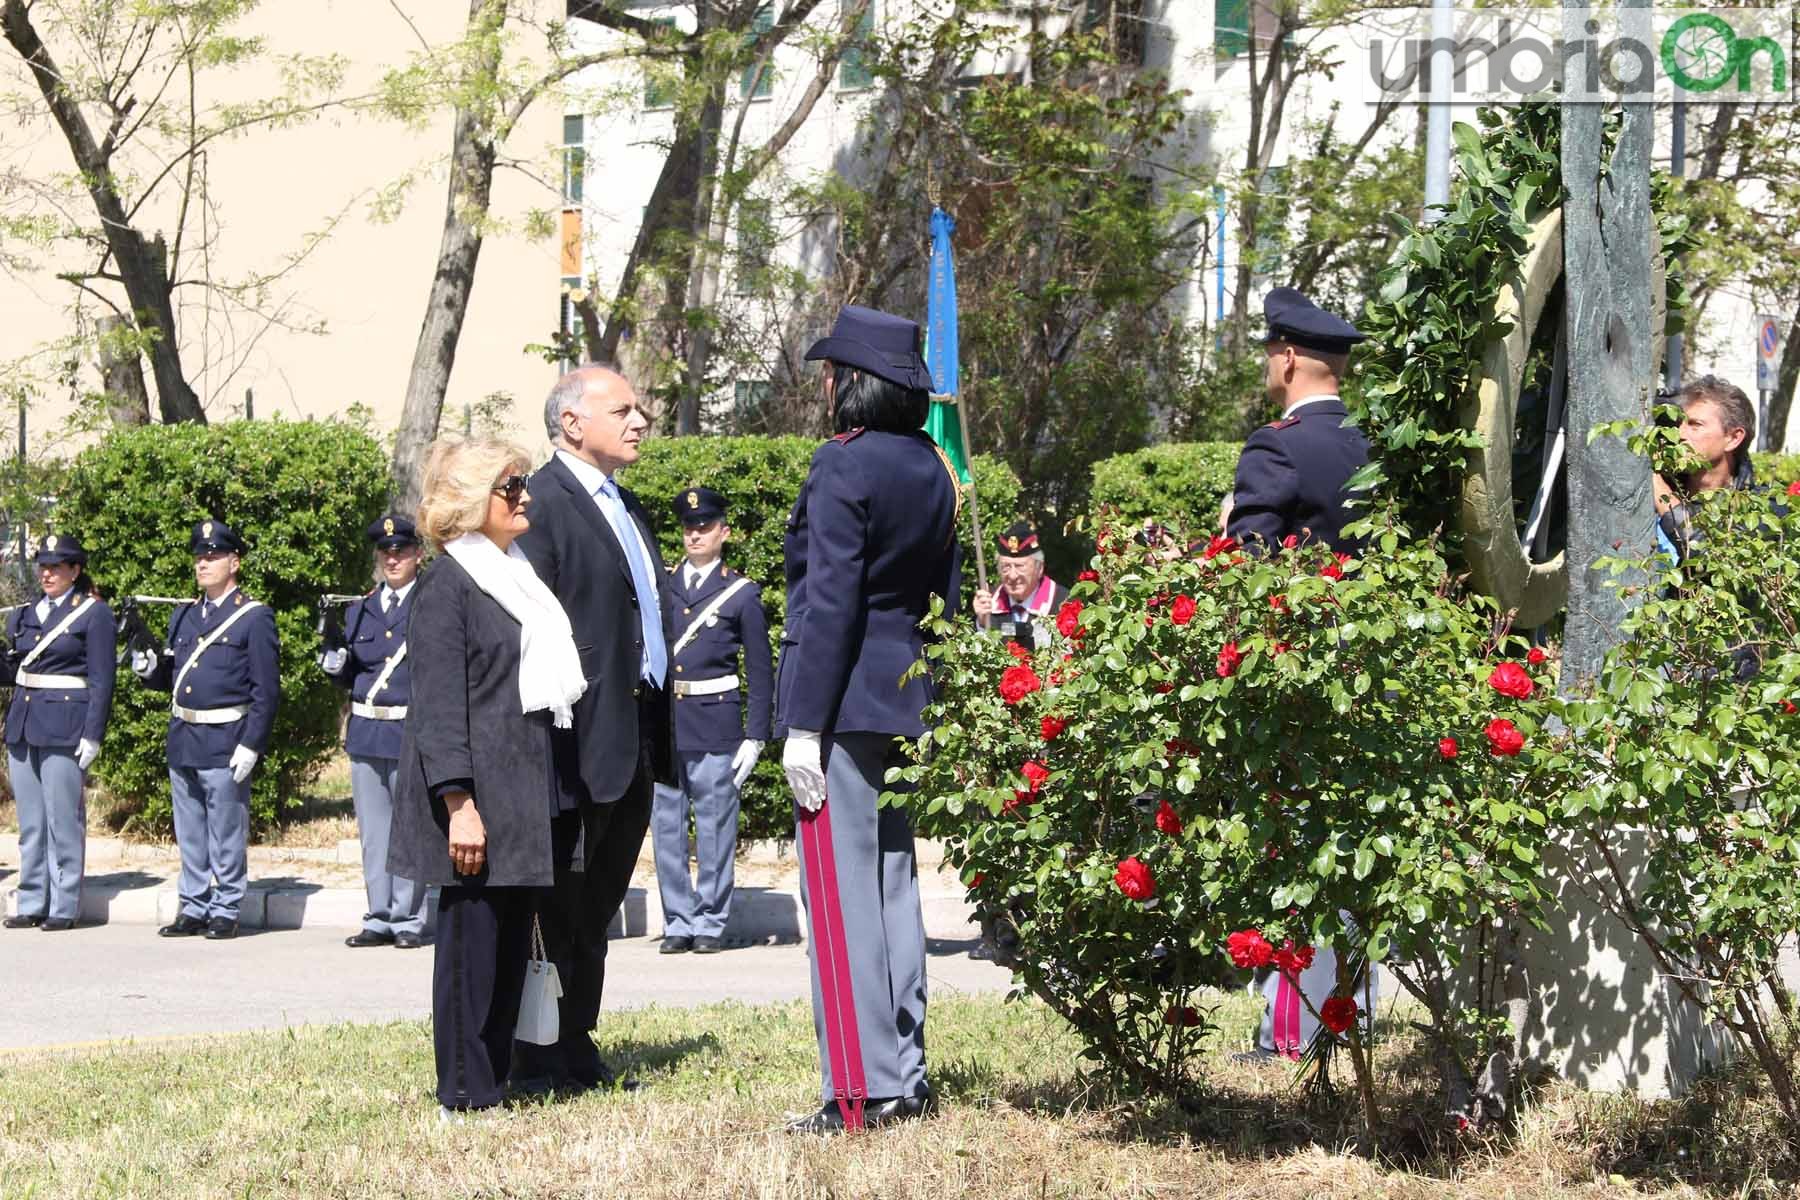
[[512, 487]]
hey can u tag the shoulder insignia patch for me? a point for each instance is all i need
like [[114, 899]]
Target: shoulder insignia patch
[[1284, 423], [239, 600], [849, 435]]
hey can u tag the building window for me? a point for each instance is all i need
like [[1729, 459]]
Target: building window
[[1232, 28], [660, 75], [855, 70], [749, 398], [755, 244], [756, 84], [574, 158], [568, 323]]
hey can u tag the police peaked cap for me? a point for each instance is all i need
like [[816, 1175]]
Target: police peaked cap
[[59, 548], [391, 531], [1294, 319], [880, 343], [1019, 540], [210, 535], [699, 505]]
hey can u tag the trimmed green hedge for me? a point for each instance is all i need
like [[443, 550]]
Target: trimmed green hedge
[[760, 478], [1179, 483], [301, 495]]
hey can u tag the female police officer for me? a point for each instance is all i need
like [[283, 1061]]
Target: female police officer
[[64, 649], [871, 538]]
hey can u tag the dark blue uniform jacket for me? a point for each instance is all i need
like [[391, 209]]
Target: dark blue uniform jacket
[[1291, 476], [715, 724], [241, 668], [373, 637], [871, 538], [62, 717]]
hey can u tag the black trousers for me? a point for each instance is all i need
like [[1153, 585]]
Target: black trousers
[[604, 841], [483, 944]]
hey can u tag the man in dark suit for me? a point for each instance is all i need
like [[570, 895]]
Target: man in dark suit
[[591, 543], [1291, 475]]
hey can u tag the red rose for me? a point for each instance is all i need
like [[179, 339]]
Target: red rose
[[1182, 1014], [1035, 773], [1510, 679], [1182, 610], [1794, 488], [1249, 948], [1157, 601], [1280, 648], [1447, 747], [1278, 603], [1337, 1013], [1068, 619], [1018, 682], [1049, 727], [1163, 689], [1504, 738], [1537, 657], [1293, 959], [1135, 880], [1088, 577], [1290, 541], [1017, 651], [1229, 658], [1220, 545], [1167, 819], [975, 880], [1335, 570], [1182, 746], [1788, 707], [1019, 800]]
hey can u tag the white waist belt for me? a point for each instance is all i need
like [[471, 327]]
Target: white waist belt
[[378, 712], [208, 716], [33, 679], [706, 687]]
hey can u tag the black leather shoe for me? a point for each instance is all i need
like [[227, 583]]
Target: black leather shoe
[[678, 944], [876, 1112], [220, 929], [22, 922], [407, 941], [708, 945], [57, 924], [184, 926], [368, 937]]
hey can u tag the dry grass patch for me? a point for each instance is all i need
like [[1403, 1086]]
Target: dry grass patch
[[345, 1111]]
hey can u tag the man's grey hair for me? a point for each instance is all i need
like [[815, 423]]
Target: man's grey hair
[[568, 392]]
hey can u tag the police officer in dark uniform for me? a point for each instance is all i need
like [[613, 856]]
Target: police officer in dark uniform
[[62, 654], [370, 660], [222, 664], [1023, 607], [871, 539], [716, 612], [1291, 475]]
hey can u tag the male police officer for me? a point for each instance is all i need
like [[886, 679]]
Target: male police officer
[[1023, 608], [1291, 475], [223, 665], [718, 612], [370, 660]]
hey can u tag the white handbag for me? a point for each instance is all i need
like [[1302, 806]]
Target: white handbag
[[537, 1007]]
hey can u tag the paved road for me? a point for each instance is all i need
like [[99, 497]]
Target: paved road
[[107, 982]]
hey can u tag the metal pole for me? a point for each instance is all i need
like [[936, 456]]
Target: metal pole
[[249, 404], [1763, 397], [1672, 365], [24, 499], [1440, 68], [962, 427]]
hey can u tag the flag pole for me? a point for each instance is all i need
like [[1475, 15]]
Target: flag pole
[[981, 576]]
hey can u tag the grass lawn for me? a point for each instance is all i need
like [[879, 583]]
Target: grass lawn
[[345, 1111]]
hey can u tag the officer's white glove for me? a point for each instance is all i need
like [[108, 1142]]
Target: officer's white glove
[[332, 661], [802, 758], [243, 761], [143, 663], [85, 753], [744, 761]]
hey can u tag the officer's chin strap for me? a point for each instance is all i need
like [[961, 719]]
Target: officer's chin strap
[[843, 1042]]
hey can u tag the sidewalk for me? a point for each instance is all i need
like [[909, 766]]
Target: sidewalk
[[134, 883]]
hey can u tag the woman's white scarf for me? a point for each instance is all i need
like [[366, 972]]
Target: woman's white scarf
[[549, 668]]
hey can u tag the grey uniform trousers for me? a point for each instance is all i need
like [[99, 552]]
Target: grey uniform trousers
[[884, 930], [696, 907], [212, 831], [46, 784], [396, 904], [1288, 1025]]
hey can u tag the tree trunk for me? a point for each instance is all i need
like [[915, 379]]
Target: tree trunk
[[140, 264], [703, 271], [1782, 402], [470, 190], [122, 374]]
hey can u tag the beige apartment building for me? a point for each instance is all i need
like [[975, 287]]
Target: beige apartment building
[[336, 324]]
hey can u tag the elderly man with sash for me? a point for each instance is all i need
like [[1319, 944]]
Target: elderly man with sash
[[1023, 608], [222, 667], [369, 658]]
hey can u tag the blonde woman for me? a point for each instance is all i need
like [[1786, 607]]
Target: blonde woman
[[494, 668]]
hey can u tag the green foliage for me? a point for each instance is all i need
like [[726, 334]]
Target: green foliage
[[760, 478], [1285, 723], [301, 495], [1175, 483], [1776, 468]]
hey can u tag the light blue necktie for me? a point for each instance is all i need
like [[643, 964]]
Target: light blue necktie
[[655, 666]]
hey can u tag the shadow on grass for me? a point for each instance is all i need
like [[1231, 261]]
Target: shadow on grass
[[660, 1056]]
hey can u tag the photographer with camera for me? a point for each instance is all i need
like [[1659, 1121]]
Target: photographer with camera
[[61, 664]]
